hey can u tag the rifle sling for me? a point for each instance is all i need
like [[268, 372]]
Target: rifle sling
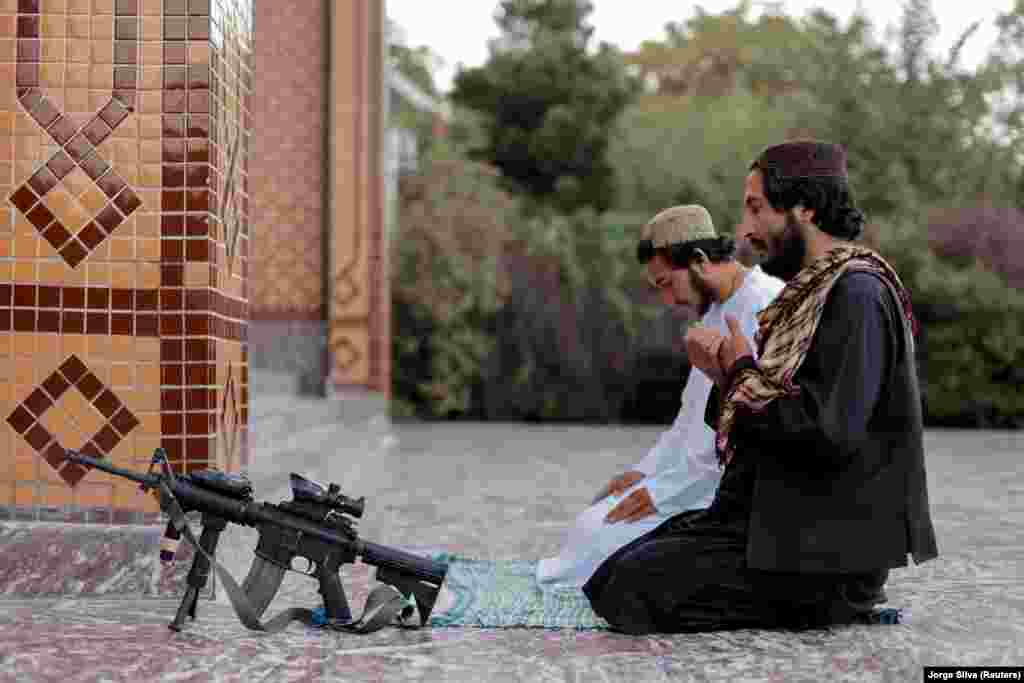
[[384, 605]]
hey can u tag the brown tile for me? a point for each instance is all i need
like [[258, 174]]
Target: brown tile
[[127, 201], [5, 320], [97, 131], [107, 439], [6, 294], [125, 77], [56, 235], [72, 322], [172, 200], [199, 374], [174, 101], [38, 402], [174, 151], [40, 216], [172, 423], [55, 455], [126, 28], [56, 385], [91, 235], [172, 275], [197, 175], [146, 325], [29, 50], [172, 324], [198, 151], [79, 147], [107, 403], [198, 7], [172, 300], [197, 250], [62, 130], [49, 321], [127, 98], [49, 297], [94, 166], [199, 101], [73, 252], [175, 7], [198, 200], [175, 53], [172, 226], [111, 184], [24, 199], [172, 399], [122, 299], [38, 437], [25, 296], [197, 225], [24, 320], [126, 7], [199, 77], [146, 300], [175, 78], [121, 324], [124, 421], [198, 125], [97, 298], [199, 28], [199, 350], [20, 419], [44, 112], [74, 297], [97, 323], [113, 113], [109, 218], [28, 6], [89, 385], [27, 75], [73, 473], [171, 374], [61, 164], [172, 350], [173, 175], [28, 27]]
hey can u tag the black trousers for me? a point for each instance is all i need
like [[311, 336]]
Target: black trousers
[[690, 575]]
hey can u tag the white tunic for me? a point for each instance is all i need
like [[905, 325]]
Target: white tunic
[[681, 470]]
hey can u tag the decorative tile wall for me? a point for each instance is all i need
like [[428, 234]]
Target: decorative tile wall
[[124, 233]]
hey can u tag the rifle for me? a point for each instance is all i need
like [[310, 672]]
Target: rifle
[[315, 526]]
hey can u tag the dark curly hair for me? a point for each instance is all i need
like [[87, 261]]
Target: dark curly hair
[[834, 209]]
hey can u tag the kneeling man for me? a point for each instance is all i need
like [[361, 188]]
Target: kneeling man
[[820, 434], [688, 264]]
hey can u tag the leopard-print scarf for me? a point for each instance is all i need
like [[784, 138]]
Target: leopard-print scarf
[[785, 330]]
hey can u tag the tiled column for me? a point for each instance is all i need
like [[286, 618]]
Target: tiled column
[[123, 151], [360, 305]]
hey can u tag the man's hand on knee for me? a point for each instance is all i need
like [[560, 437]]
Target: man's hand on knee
[[632, 508], [618, 485]]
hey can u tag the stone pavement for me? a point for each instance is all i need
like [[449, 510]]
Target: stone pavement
[[507, 491]]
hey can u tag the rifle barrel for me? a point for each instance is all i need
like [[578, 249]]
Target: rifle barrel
[[101, 464]]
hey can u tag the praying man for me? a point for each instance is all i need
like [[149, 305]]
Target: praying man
[[688, 264], [819, 432]]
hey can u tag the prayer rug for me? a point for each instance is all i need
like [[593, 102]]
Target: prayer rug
[[505, 594]]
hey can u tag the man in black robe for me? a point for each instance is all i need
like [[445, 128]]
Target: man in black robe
[[823, 489]]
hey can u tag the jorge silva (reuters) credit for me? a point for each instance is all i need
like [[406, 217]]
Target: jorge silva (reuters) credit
[[974, 673]]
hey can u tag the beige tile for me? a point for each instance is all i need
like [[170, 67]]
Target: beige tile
[[102, 27], [52, 26], [94, 493], [8, 50], [152, 54], [151, 29], [24, 273], [77, 101], [51, 272], [78, 51], [103, 52], [51, 75], [101, 77], [148, 275], [150, 7], [92, 200], [122, 375], [103, 6], [26, 247], [78, 27], [79, 6], [78, 182], [53, 6], [99, 274], [77, 76]]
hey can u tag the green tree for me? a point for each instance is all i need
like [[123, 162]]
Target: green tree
[[548, 103]]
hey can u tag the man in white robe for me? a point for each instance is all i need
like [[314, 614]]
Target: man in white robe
[[688, 264]]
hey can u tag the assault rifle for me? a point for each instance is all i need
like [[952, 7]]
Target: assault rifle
[[314, 526]]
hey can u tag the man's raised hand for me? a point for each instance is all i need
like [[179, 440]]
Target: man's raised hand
[[632, 508], [618, 485]]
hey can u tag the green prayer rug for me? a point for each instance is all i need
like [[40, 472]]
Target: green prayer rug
[[505, 593]]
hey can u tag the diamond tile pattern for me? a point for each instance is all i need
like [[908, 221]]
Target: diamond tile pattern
[[111, 420]]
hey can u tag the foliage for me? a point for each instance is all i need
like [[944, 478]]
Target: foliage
[[548, 103], [446, 281]]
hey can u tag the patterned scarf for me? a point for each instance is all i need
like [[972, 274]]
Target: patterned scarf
[[785, 330]]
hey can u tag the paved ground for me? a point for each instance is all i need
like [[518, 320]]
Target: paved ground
[[506, 491]]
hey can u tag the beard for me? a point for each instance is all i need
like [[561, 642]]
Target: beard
[[789, 250]]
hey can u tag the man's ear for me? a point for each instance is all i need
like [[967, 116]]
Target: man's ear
[[803, 214], [699, 261]]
